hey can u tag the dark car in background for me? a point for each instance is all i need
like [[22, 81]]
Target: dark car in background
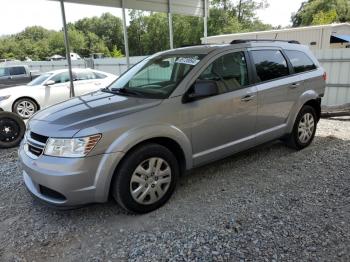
[[12, 75]]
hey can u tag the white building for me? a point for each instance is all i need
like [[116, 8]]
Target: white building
[[317, 37]]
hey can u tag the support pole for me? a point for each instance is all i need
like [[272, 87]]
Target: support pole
[[205, 21], [126, 42], [171, 32], [66, 43]]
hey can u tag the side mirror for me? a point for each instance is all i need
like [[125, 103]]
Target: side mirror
[[49, 83], [201, 89]]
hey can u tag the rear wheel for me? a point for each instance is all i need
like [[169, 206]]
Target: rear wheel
[[12, 129], [304, 128], [146, 178], [25, 107]]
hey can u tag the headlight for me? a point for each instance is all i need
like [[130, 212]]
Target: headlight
[[4, 97], [75, 147]]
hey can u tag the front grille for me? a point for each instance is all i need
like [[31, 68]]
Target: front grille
[[35, 150], [35, 144], [39, 138], [51, 193]]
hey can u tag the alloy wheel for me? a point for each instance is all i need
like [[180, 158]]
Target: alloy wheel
[[25, 109], [306, 128]]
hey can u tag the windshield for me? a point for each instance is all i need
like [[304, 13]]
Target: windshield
[[40, 79], [156, 76]]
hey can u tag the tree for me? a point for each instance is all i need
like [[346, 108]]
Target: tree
[[107, 27], [322, 12]]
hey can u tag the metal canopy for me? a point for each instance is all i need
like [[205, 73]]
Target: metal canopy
[[182, 7]]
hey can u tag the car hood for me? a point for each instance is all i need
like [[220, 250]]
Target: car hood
[[12, 89], [67, 118]]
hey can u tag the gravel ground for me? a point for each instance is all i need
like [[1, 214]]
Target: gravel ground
[[271, 203]]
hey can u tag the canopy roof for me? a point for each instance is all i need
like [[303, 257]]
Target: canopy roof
[[182, 7]]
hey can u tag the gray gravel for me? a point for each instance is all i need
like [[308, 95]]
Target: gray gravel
[[271, 203]]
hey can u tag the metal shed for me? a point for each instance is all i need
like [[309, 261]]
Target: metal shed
[[316, 37]]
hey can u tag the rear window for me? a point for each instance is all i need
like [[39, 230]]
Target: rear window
[[300, 61], [4, 71], [18, 70], [269, 64]]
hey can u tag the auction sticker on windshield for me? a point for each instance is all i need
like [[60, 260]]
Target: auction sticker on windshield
[[188, 60]]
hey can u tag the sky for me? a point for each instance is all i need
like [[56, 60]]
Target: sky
[[15, 15]]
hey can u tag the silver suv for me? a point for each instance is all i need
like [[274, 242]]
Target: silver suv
[[173, 111]]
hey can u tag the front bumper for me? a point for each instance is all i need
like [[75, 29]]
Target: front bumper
[[68, 182], [6, 105]]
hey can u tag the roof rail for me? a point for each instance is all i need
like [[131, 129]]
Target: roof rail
[[240, 41]]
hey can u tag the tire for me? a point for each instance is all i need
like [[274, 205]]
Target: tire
[[149, 192], [25, 107], [12, 129], [304, 128]]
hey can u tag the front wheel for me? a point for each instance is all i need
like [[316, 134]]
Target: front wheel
[[25, 108], [146, 178], [304, 128]]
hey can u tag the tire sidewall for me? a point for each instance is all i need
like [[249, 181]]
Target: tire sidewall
[[121, 181], [22, 129], [15, 110], [306, 109]]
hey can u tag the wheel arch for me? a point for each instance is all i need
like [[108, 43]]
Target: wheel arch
[[27, 97], [310, 97], [167, 142], [316, 104]]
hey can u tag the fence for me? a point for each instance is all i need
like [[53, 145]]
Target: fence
[[336, 62]]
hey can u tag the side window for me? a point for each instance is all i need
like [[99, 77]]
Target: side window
[[4, 71], [228, 71], [18, 70], [84, 76], [61, 78], [269, 64], [300, 61]]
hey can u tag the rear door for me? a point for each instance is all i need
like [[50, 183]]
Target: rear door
[[224, 123], [86, 82], [274, 80]]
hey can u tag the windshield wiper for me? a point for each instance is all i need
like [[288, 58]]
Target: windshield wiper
[[126, 91]]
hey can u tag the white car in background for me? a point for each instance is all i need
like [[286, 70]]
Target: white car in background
[[51, 88]]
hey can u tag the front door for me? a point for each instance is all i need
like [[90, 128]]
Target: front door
[[59, 91], [224, 123]]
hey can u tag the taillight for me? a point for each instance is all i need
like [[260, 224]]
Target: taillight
[[325, 76]]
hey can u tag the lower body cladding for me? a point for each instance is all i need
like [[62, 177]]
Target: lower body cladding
[[69, 182]]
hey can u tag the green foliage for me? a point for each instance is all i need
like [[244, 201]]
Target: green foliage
[[148, 32], [322, 12], [116, 53], [327, 17]]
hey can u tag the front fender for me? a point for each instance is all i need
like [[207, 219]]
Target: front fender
[[304, 98], [132, 137]]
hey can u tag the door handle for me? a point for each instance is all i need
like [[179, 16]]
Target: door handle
[[294, 85], [247, 98]]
